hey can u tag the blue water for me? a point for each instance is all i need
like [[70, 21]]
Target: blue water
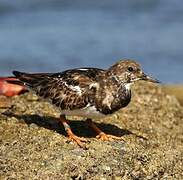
[[53, 35]]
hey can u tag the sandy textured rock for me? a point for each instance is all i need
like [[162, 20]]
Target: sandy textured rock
[[175, 90], [33, 144]]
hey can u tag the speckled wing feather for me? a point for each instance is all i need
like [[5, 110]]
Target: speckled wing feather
[[68, 90]]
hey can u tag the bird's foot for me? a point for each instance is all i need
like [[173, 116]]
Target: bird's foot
[[101, 135], [107, 137], [78, 140]]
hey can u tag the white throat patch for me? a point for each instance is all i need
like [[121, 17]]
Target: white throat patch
[[128, 86]]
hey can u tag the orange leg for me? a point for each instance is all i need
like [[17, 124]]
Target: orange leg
[[71, 135], [101, 135]]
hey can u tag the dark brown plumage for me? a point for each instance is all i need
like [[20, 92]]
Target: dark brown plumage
[[87, 92]]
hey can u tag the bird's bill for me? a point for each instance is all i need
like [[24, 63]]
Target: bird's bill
[[148, 78]]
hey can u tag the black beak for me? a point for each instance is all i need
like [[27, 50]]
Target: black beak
[[148, 78]]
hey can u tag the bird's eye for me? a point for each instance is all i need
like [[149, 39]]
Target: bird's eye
[[130, 69]]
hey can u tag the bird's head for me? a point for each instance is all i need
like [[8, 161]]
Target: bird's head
[[128, 71]]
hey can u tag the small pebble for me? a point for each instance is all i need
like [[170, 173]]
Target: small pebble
[[33, 125]]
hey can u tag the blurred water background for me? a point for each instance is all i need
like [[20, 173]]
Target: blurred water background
[[53, 35]]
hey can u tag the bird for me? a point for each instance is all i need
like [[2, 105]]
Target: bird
[[86, 92]]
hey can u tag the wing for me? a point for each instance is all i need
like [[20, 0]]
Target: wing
[[69, 90]]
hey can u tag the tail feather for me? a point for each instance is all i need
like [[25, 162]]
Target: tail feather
[[24, 78], [18, 73], [15, 81], [11, 80], [30, 80]]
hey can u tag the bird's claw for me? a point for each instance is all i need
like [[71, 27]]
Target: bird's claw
[[108, 137], [78, 140]]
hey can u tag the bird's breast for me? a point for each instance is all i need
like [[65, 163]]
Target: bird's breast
[[113, 102]]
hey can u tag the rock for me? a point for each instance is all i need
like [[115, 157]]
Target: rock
[[175, 90], [33, 146], [5, 102]]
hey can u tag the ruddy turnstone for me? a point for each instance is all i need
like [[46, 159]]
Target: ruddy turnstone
[[87, 92]]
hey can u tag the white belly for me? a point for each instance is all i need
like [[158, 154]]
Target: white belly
[[87, 112]]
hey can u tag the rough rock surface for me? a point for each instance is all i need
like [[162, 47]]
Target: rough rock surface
[[34, 146]]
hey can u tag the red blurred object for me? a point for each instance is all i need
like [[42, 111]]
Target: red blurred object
[[9, 89]]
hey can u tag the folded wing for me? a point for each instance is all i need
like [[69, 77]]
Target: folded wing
[[68, 90]]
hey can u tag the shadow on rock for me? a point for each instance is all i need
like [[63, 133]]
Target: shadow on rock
[[79, 127]]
